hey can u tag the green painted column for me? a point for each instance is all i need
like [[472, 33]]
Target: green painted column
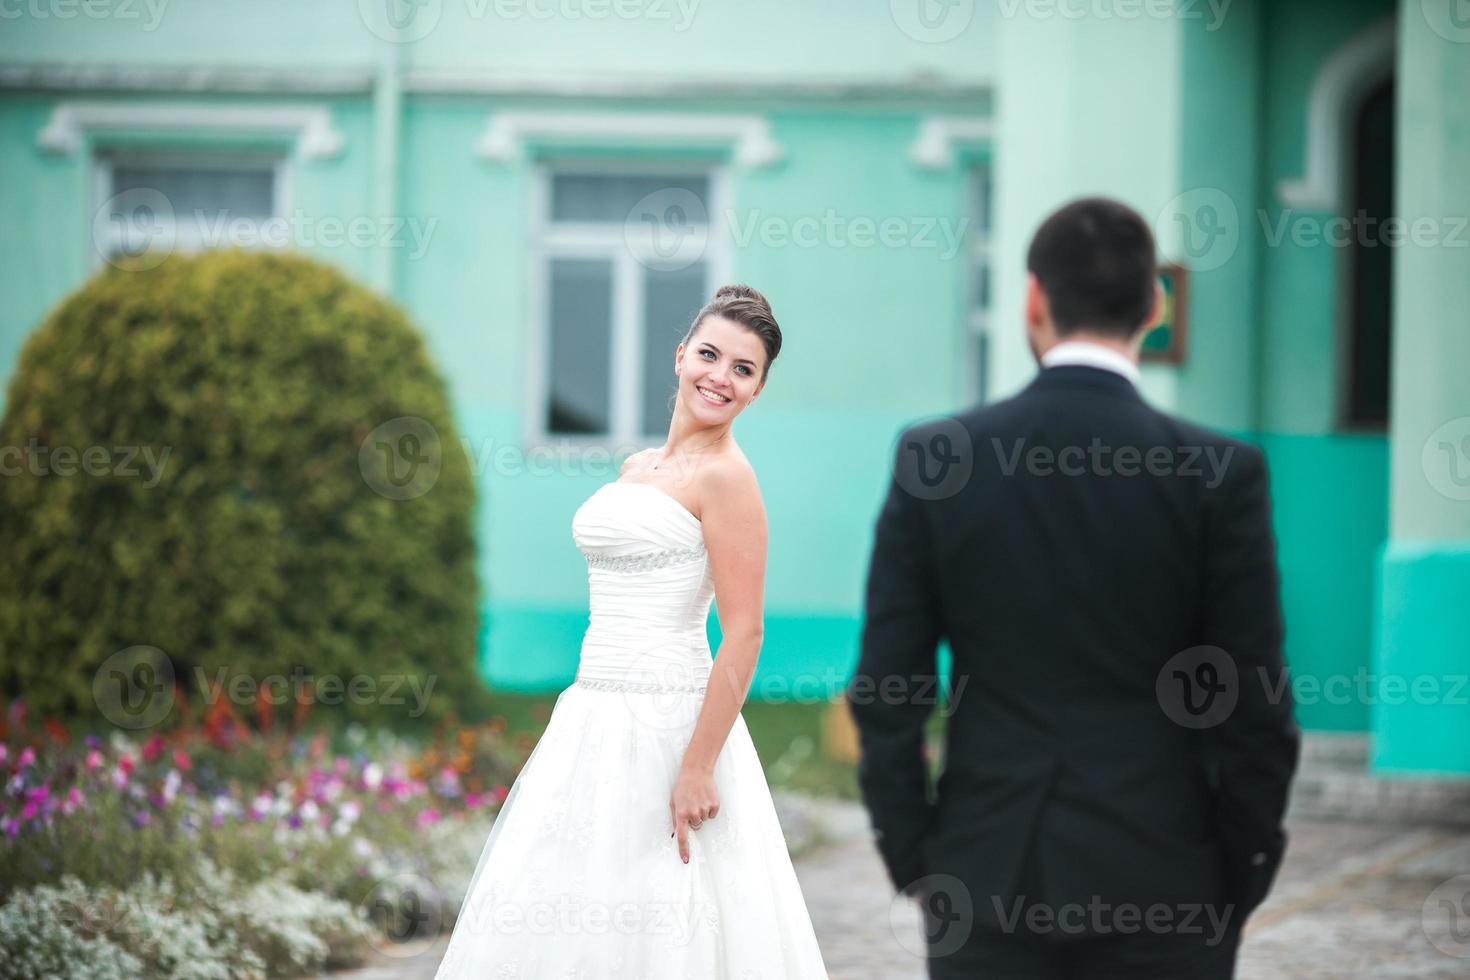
[[1421, 717]]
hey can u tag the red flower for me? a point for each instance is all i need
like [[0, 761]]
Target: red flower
[[182, 760], [153, 748]]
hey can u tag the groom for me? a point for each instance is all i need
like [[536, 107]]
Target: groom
[[1119, 737]]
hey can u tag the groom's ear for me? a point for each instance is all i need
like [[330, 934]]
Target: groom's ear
[[1038, 309], [1156, 314]]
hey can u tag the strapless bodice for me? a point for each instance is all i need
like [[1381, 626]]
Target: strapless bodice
[[649, 590]]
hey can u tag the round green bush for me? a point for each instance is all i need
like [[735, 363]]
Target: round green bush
[[245, 461]]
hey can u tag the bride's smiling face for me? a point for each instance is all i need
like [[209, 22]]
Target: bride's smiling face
[[719, 369]]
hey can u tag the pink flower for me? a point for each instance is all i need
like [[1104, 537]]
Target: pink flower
[[428, 817], [125, 763], [153, 748], [94, 759], [27, 756], [182, 760]]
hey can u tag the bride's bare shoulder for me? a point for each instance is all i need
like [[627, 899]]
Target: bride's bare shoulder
[[729, 478]]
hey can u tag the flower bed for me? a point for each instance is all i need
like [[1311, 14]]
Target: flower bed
[[224, 852]]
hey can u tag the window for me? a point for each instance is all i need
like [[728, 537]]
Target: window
[[625, 259], [979, 280], [184, 201]]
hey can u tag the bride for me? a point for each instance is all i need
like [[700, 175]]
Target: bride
[[640, 841]]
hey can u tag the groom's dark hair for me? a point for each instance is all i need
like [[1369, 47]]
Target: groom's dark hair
[[1094, 259]]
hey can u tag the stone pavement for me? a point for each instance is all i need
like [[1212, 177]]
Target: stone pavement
[[1349, 905]]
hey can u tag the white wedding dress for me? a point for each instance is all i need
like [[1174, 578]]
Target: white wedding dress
[[580, 878]]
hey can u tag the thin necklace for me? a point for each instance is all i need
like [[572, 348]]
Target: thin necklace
[[701, 448]]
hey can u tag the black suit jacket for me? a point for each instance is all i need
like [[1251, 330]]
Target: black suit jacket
[[1119, 724]]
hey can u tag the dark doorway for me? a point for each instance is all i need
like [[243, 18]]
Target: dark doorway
[[1370, 265]]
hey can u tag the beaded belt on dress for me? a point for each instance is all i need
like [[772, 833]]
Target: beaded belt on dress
[[638, 687], [643, 562]]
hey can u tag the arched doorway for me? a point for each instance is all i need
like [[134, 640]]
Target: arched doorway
[[1368, 292]]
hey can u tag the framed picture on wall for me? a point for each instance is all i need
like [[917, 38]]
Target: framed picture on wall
[[1166, 342]]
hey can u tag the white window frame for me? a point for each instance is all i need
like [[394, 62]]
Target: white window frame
[[187, 234], [608, 241], [980, 249]]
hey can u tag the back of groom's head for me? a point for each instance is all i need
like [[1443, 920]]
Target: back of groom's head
[[1094, 260]]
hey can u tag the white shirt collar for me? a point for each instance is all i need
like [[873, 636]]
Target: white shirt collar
[[1089, 354]]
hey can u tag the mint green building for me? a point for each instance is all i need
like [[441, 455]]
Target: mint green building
[[551, 186]]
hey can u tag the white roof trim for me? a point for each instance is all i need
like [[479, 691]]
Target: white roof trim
[[311, 127], [934, 147], [750, 136]]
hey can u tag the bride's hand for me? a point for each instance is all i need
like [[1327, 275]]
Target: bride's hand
[[695, 800]]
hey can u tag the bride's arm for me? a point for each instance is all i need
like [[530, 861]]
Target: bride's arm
[[734, 523]]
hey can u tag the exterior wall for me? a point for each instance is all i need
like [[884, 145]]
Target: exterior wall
[[865, 324], [1169, 113]]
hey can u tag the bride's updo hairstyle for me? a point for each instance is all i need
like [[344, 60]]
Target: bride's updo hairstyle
[[747, 307]]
